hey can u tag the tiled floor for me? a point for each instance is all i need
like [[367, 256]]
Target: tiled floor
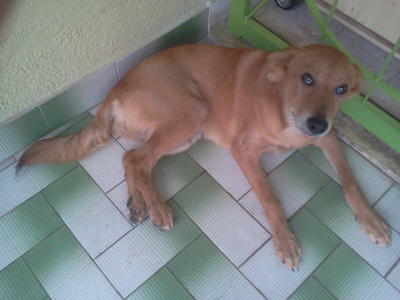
[[64, 232]]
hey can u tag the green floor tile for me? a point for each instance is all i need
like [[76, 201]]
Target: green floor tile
[[372, 181], [311, 290], [174, 172], [207, 274], [294, 182], [66, 271], [277, 281], [331, 208], [161, 286], [24, 227], [227, 224], [21, 132], [144, 250], [347, 276], [389, 207], [16, 189], [87, 211], [18, 282], [81, 124]]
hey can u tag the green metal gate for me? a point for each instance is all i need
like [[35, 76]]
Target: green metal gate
[[359, 108]]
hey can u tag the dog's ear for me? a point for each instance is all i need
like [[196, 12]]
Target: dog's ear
[[277, 63]]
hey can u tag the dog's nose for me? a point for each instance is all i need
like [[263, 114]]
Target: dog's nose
[[317, 125]]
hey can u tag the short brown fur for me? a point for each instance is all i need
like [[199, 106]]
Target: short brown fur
[[248, 101]]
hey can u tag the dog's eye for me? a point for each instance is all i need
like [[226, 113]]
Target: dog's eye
[[307, 79], [341, 89]]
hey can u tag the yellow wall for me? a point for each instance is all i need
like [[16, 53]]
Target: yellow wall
[[381, 16], [47, 45]]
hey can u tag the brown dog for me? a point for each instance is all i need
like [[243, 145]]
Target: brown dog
[[248, 101]]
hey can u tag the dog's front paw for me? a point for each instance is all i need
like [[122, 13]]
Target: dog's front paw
[[161, 216], [287, 249], [374, 227]]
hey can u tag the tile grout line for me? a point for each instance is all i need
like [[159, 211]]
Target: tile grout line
[[227, 258], [48, 235], [235, 201], [69, 171], [95, 264], [105, 194], [113, 243], [5, 163], [84, 249], [312, 197], [109, 190], [324, 287], [244, 195], [392, 267], [293, 216], [34, 275], [255, 251], [276, 167], [133, 227], [165, 265], [341, 242], [119, 143], [379, 199], [177, 279], [44, 118], [287, 220], [393, 184], [262, 226], [362, 258], [228, 192], [326, 173]]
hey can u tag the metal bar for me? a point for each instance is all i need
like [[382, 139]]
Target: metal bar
[[256, 8], [388, 60], [328, 21], [368, 114], [331, 13], [375, 120], [237, 12], [384, 86], [254, 32]]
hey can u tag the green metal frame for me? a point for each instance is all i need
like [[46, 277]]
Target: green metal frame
[[377, 121]]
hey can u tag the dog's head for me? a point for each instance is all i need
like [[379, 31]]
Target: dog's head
[[313, 81]]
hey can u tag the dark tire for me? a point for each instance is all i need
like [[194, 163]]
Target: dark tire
[[286, 4]]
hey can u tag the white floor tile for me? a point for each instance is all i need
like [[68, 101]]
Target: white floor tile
[[105, 166]]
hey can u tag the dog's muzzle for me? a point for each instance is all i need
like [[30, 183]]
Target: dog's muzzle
[[316, 126]]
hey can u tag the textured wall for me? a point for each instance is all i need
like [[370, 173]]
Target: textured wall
[[382, 17], [47, 45]]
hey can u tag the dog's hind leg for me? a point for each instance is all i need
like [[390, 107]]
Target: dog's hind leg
[[165, 137], [139, 163]]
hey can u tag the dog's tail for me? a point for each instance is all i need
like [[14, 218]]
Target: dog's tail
[[72, 147]]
